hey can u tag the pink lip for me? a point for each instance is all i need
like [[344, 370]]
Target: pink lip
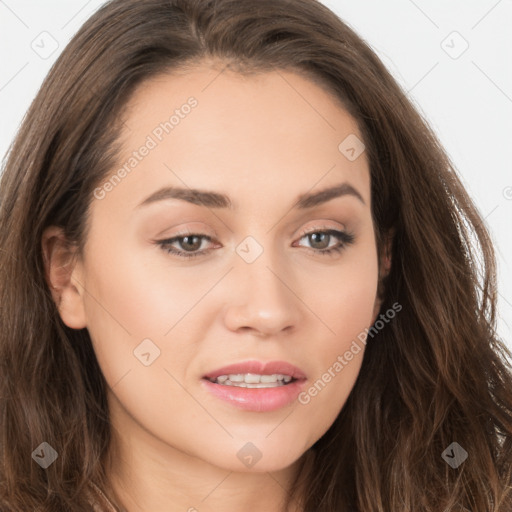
[[257, 399], [261, 368]]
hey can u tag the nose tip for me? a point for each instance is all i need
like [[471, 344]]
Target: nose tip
[[261, 303]]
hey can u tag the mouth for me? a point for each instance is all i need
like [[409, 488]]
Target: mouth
[[256, 374], [256, 386], [253, 380]]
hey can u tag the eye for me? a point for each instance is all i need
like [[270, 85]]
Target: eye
[[320, 240], [191, 243]]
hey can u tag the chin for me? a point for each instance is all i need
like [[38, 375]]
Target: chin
[[250, 459]]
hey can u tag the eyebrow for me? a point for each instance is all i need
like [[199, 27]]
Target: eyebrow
[[217, 200]]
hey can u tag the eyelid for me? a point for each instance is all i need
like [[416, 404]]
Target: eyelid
[[315, 228], [194, 230], [305, 231], [344, 238]]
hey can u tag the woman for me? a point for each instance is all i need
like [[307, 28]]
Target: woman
[[238, 270]]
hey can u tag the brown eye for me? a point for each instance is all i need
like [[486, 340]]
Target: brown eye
[[188, 245], [319, 241]]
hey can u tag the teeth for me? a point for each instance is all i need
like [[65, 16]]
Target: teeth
[[267, 378], [252, 380]]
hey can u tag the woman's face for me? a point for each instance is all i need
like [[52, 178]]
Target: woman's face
[[260, 286]]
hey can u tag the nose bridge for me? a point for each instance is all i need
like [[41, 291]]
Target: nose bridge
[[261, 270], [262, 298]]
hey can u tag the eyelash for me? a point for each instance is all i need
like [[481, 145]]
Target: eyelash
[[344, 237]]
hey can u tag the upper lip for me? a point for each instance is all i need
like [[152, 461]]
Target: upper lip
[[258, 367]]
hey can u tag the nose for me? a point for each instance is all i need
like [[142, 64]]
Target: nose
[[262, 299]]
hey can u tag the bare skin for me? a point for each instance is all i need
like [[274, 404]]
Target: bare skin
[[260, 142]]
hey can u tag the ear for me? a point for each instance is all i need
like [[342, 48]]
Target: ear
[[61, 273], [384, 269]]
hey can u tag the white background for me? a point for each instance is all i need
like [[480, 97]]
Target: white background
[[467, 98]]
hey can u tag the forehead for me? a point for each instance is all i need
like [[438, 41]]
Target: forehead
[[212, 128]]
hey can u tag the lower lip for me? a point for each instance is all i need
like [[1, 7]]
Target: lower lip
[[256, 399]]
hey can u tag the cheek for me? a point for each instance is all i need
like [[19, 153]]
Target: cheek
[[345, 295], [142, 347], [347, 310], [135, 289], [138, 303]]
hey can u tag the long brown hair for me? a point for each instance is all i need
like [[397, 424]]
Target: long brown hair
[[437, 374]]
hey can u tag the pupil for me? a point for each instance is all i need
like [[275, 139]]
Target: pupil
[[321, 235], [194, 246]]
